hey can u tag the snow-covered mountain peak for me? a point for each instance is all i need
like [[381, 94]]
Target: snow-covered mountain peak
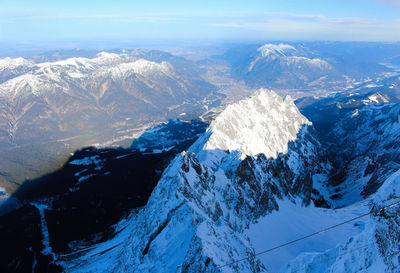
[[108, 56], [263, 123], [277, 50], [142, 66], [102, 59], [14, 67], [12, 63], [77, 65]]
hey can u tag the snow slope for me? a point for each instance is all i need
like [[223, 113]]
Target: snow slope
[[375, 249], [293, 221]]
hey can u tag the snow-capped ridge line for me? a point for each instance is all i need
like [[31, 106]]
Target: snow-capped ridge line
[[61, 76], [275, 49]]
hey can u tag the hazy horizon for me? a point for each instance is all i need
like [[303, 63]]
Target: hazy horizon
[[48, 24], [177, 47]]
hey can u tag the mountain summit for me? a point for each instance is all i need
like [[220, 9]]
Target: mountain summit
[[264, 123]]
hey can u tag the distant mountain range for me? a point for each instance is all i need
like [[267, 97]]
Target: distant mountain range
[[54, 100], [311, 65], [80, 101]]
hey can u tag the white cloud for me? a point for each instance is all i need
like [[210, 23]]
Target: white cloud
[[261, 25]]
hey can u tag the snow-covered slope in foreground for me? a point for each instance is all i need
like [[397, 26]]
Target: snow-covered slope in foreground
[[197, 216], [376, 249], [293, 221]]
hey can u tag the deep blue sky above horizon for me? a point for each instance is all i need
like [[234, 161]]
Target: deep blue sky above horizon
[[55, 21]]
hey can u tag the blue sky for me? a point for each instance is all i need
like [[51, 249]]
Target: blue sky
[[66, 21]]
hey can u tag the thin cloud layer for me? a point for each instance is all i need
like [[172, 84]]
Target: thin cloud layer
[[246, 25], [294, 26]]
